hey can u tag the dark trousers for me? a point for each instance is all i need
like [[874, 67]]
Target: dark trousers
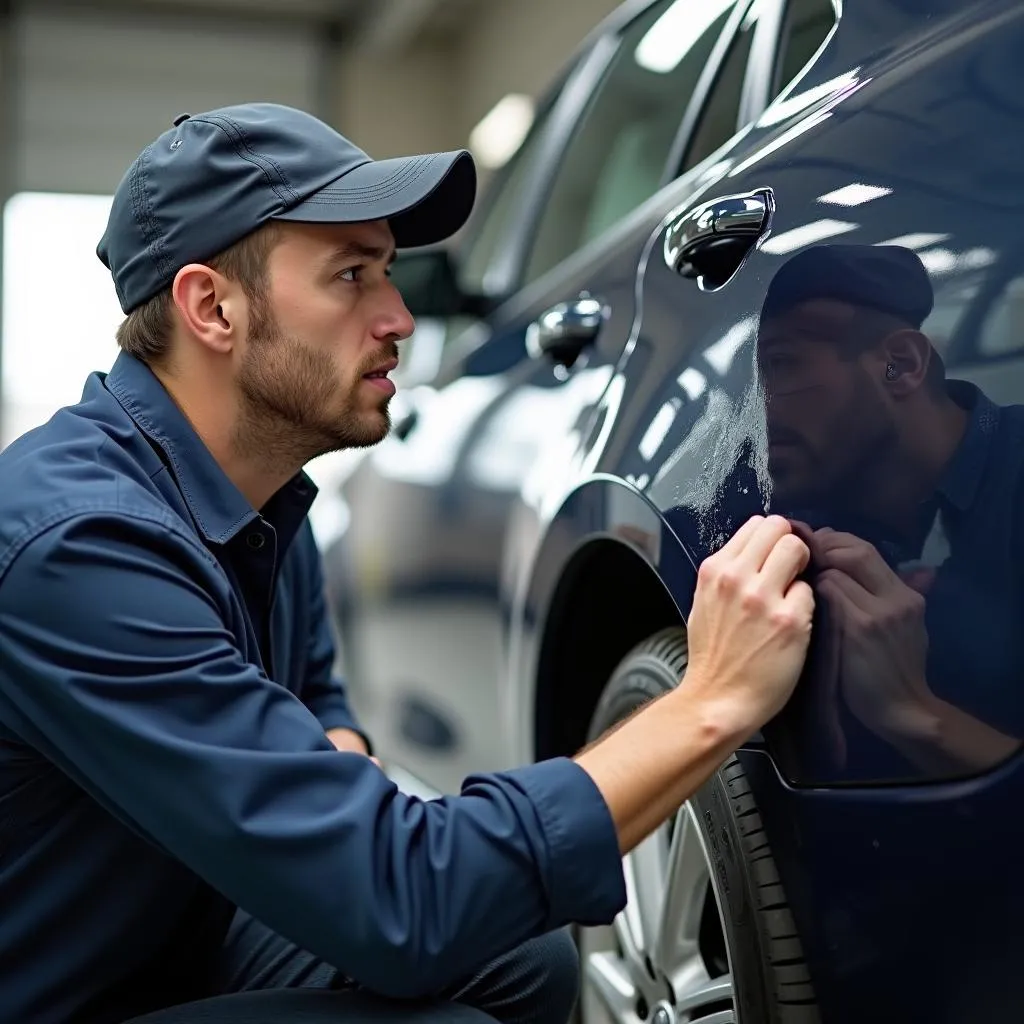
[[264, 978]]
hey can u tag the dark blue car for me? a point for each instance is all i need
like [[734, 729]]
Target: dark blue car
[[754, 255]]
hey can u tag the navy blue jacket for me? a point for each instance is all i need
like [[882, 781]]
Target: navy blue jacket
[[165, 684]]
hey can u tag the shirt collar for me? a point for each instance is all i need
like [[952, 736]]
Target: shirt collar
[[220, 510]]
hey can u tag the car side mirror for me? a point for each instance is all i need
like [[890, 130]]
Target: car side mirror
[[428, 283]]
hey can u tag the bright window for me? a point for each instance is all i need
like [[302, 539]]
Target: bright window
[[60, 311]]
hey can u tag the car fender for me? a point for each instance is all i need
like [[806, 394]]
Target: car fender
[[542, 557]]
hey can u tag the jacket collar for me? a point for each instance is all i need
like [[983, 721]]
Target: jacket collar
[[219, 509]]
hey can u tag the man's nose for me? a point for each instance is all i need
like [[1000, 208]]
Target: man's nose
[[395, 320]]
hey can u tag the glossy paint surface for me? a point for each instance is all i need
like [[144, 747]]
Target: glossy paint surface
[[861, 369]]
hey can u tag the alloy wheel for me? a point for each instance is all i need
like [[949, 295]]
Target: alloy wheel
[[665, 960]]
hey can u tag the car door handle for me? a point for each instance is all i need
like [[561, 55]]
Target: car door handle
[[564, 331], [710, 242]]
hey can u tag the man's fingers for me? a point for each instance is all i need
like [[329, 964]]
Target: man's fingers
[[846, 592], [800, 601], [786, 560], [767, 533], [865, 566], [739, 540], [803, 531]]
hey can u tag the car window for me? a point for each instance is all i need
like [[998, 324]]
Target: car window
[[508, 192], [719, 119], [617, 155], [807, 24]]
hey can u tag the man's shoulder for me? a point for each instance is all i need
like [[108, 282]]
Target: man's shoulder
[[77, 464]]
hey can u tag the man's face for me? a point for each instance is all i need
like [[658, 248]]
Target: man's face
[[313, 376], [828, 417]]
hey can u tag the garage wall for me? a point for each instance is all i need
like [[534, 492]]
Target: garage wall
[[519, 47], [91, 88], [391, 107], [431, 96], [93, 85]]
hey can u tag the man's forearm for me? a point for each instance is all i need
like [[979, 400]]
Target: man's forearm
[[940, 737], [656, 760], [748, 632]]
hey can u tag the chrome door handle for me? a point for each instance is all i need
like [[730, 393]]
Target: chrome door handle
[[564, 331], [711, 240]]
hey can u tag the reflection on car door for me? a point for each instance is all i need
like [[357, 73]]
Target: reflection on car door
[[863, 372]]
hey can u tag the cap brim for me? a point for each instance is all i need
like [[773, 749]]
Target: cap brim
[[425, 199]]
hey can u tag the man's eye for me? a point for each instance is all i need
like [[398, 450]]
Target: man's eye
[[350, 275]]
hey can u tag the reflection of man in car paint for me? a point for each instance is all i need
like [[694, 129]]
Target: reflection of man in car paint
[[910, 486]]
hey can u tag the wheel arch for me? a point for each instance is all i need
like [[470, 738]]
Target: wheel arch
[[608, 573]]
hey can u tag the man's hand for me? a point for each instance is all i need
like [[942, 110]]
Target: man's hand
[[349, 740], [880, 621], [749, 630], [751, 624]]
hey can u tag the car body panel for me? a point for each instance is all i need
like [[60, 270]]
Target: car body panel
[[901, 870]]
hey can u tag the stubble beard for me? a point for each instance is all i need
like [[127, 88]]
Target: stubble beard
[[865, 447], [292, 406]]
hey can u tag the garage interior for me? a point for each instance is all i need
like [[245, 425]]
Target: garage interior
[[85, 85]]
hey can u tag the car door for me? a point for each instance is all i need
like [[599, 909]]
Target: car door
[[507, 389], [898, 148]]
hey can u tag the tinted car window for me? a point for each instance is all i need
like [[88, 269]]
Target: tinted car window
[[617, 156], [719, 119], [494, 227], [807, 24]]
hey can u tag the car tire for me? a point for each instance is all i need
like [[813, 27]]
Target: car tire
[[751, 942]]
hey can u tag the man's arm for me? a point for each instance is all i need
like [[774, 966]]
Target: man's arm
[[322, 691], [749, 631], [118, 666], [881, 621]]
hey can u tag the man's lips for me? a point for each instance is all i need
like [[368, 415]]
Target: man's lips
[[379, 377]]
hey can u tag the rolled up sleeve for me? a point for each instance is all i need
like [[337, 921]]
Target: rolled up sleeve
[[118, 664]]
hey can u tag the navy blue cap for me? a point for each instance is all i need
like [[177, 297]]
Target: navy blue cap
[[214, 178], [887, 278]]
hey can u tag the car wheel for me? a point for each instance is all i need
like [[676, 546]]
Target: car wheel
[[706, 935]]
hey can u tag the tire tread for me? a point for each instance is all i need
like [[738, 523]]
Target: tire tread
[[647, 670]]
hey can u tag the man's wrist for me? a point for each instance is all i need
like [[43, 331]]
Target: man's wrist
[[717, 722], [918, 723], [349, 740]]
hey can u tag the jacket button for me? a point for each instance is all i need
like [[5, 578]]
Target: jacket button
[[255, 541]]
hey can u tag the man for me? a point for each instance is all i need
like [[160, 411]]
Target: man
[[910, 487], [187, 804]]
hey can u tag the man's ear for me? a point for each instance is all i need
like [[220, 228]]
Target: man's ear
[[906, 355], [207, 305]]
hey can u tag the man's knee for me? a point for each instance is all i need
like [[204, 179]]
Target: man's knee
[[536, 983], [557, 966]]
